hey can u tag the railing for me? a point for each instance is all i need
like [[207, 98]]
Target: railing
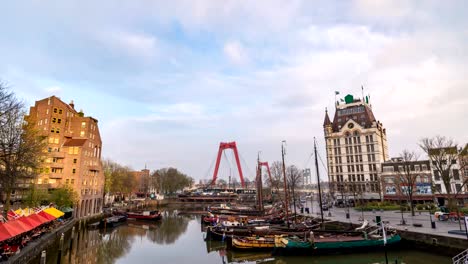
[[461, 258]]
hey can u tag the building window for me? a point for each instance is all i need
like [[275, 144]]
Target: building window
[[438, 188], [67, 181], [456, 174], [56, 140], [51, 140], [74, 161], [436, 175], [458, 187], [72, 181], [73, 150], [83, 124], [57, 130], [73, 171], [54, 120], [60, 111], [59, 121], [423, 167], [82, 133], [55, 110]]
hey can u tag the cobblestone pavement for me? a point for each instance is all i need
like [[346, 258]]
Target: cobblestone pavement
[[393, 218]]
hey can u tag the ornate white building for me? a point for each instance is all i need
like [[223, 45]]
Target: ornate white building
[[356, 145]]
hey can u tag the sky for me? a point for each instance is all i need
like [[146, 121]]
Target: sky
[[170, 80]]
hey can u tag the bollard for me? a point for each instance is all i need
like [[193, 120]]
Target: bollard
[[62, 236], [43, 257]]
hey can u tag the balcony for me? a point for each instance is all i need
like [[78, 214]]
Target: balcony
[[55, 175], [94, 168], [56, 165], [57, 154]]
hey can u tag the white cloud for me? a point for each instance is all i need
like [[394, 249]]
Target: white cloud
[[235, 52], [53, 90], [137, 45]]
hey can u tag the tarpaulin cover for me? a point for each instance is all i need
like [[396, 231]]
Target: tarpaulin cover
[[53, 211], [47, 215]]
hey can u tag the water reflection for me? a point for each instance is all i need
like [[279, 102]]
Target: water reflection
[[170, 229], [110, 245], [177, 239]]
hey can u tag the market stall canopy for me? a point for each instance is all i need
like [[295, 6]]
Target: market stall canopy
[[28, 221], [66, 209], [54, 212], [47, 215], [19, 226], [5, 233], [39, 218]]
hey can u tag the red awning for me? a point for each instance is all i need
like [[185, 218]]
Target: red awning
[[20, 226], [5, 232], [39, 218], [46, 216], [29, 221], [26, 222], [13, 229]]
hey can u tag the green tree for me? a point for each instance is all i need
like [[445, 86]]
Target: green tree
[[64, 197], [21, 146], [35, 196], [170, 180], [118, 179]]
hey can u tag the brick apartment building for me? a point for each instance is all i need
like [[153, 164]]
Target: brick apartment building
[[73, 154]]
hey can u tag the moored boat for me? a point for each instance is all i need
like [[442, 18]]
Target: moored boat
[[145, 215], [254, 242], [112, 221], [331, 243]]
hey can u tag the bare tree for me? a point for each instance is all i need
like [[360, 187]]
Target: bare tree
[[407, 176], [442, 153], [294, 178], [21, 146], [276, 183]]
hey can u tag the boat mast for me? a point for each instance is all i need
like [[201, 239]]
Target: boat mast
[[318, 181], [285, 184], [259, 185]]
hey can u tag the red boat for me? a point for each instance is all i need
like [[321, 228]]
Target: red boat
[[144, 215]]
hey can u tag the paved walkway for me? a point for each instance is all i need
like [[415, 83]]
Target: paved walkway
[[394, 220]]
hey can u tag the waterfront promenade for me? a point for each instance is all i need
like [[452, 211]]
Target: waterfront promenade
[[394, 219]]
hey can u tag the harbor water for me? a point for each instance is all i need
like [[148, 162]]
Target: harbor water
[[180, 239]]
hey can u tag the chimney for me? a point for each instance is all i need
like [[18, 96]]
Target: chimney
[[72, 104]]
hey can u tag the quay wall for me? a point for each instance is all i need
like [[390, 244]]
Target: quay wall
[[444, 245], [34, 248]]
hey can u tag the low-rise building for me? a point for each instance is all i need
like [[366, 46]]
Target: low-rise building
[[398, 175]]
